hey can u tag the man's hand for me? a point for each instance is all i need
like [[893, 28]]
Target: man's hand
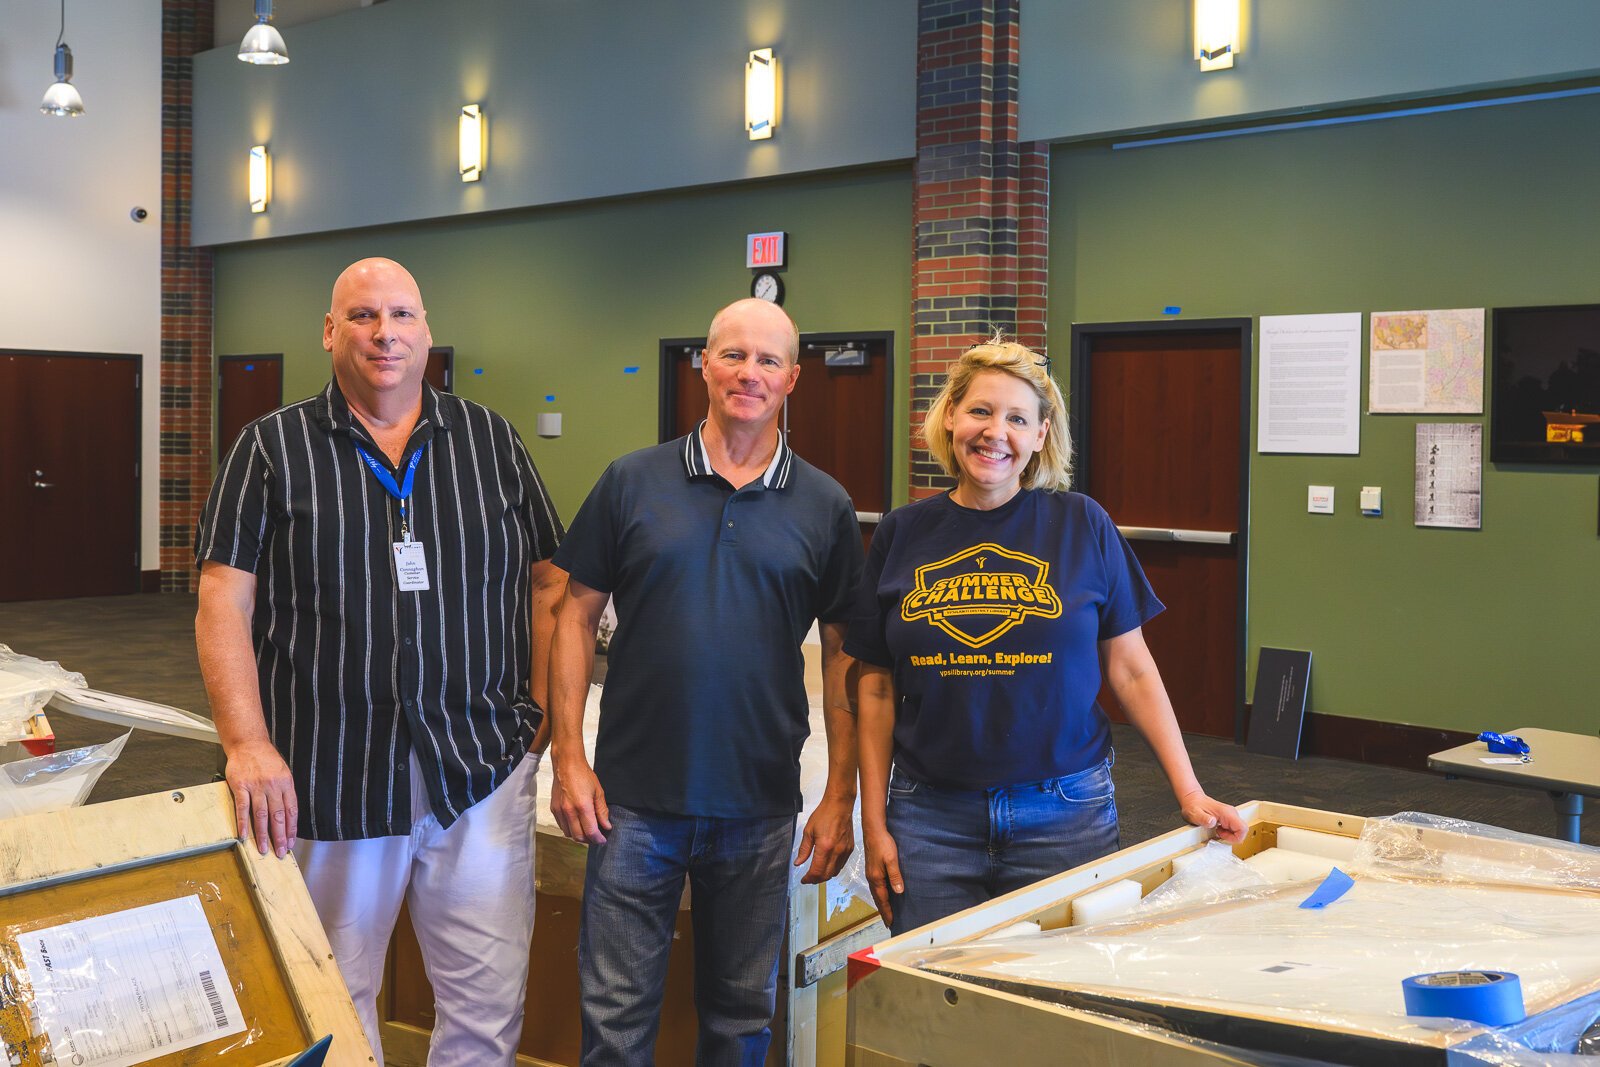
[[578, 802], [265, 807], [1200, 810], [883, 870], [828, 839]]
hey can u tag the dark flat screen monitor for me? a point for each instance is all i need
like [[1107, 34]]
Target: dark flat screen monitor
[[1546, 385]]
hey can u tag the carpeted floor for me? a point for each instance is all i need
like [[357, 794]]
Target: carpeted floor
[[143, 646]]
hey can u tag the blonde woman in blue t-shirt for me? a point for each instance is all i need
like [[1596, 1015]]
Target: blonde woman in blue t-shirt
[[986, 619]]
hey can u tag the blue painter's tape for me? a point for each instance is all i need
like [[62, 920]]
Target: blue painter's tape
[[1336, 885], [477, 370], [249, 366], [630, 370], [1493, 998], [1172, 309], [549, 397]]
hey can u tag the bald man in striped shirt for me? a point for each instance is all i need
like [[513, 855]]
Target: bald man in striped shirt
[[376, 604]]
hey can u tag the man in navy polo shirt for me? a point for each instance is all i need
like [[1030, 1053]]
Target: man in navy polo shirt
[[720, 549]]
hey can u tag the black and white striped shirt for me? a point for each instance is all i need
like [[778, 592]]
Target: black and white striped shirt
[[356, 673]]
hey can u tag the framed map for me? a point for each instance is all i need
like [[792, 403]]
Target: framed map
[[1427, 362]]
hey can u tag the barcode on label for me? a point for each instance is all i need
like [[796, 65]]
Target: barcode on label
[[216, 1001]]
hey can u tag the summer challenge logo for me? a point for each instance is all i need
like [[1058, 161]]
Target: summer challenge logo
[[978, 594]]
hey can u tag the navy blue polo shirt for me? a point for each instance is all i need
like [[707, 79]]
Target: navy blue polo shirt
[[991, 622], [704, 708]]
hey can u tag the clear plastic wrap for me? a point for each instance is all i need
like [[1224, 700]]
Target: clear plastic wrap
[[1248, 965], [1214, 872], [1417, 845], [26, 685], [56, 781]]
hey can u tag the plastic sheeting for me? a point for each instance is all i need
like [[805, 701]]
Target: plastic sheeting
[[1429, 894], [26, 685], [54, 782]]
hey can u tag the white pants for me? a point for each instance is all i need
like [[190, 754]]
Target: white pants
[[470, 891]]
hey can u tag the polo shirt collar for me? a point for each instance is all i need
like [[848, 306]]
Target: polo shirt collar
[[332, 410], [697, 461]]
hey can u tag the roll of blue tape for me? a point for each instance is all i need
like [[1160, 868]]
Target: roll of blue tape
[[1493, 998]]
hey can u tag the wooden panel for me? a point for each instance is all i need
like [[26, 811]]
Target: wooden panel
[[70, 496], [836, 420], [257, 980], [107, 857], [441, 370], [1164, 429], [1163, 446], [248, 387]]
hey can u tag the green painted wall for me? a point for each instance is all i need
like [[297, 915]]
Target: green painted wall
[[1493, 207], [560, 300]]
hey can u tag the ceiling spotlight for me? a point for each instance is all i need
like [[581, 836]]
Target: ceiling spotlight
[[62, 99], [262, 43]]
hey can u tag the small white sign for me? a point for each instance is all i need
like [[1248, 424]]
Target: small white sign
[[1319, 499]]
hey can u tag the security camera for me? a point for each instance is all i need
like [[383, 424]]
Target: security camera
[[138, 214]]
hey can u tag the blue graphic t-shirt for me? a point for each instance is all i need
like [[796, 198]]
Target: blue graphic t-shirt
[[991, 622]]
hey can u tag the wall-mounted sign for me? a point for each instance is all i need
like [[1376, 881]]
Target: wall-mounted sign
[[765, 249]]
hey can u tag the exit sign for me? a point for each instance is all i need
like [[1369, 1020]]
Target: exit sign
[[764, 249]]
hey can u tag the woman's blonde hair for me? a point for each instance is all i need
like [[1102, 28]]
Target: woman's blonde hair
[[1051, 467]]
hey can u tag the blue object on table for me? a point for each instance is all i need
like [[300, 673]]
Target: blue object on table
[[1510, 744], [1493, 998]]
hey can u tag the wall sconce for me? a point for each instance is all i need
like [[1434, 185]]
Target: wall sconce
[[1216, 33], [761, 94], [262, 43], [472, 130], [260, 179]]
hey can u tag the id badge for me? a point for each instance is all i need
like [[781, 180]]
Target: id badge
[[410, 566]]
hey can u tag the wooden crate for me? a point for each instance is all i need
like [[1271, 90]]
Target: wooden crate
[[899, 1015], [105, 858]]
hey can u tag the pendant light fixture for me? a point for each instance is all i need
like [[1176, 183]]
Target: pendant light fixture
[[262, 43], [63, 99]]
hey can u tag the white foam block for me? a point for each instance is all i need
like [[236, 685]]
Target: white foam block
[[1183, 859], [1282, 865], [1316, 843], [1108, 902], [1025, 928]]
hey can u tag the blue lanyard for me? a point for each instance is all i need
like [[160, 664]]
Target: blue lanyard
[[402, 491]]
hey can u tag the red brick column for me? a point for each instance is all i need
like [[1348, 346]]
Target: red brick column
[[186, 389], [982, 202]]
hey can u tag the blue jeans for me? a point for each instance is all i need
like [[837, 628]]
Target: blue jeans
[[961, 847], [738, 871]]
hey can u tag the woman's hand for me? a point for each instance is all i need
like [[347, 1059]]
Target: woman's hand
[[883, 870], [1200, 810]]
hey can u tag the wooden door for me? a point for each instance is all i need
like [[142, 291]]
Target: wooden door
[[1162, 415], [248, 387], [441, 372], [838, 417], [69, 475]]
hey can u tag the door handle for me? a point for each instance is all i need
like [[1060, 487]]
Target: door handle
[[44, 485], [1155, 533]]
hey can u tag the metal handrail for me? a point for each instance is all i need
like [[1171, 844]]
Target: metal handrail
[[1155, 533]]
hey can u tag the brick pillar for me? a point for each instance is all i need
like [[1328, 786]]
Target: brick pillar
[[186, 27], [982, 202]]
